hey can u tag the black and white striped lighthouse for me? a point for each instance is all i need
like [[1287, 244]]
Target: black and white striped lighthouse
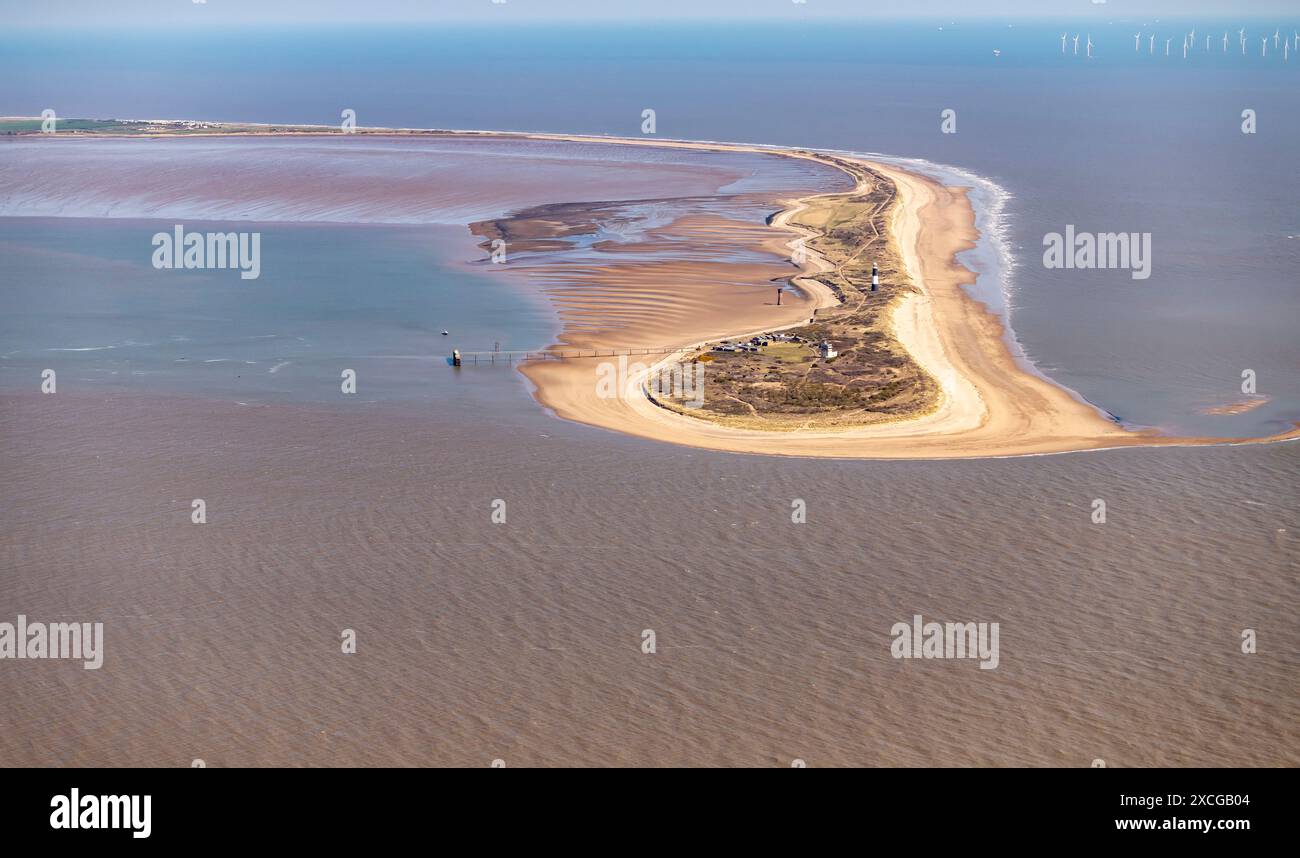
[[875, 277]]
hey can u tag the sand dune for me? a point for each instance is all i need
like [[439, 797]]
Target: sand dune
[[633, 297], [991, 405]]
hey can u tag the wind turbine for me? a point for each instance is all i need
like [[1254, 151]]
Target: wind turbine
[[1137, 42], [1090, 46], [1286, 51], [1207, 43], [1064, 36], [1263, 46], [1167, 41], [1151, 45], [1076, 44], [1276, 33], [1193, 39], [1297, 39], [1241, 34], [1225, 41], [1184, 47]]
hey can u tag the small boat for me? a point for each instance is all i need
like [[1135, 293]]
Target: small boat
[[445, 333]]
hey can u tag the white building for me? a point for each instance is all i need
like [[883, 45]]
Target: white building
[[827, 350]]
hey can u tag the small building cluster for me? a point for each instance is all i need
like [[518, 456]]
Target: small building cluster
[[185, 124], [754, 344], [827, 350]]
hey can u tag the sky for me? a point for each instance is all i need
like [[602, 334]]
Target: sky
[[143, 13]]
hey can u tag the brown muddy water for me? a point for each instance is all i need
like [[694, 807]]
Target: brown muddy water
[[521, 641]]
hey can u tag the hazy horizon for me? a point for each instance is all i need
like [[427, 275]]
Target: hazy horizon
[[147, 13]]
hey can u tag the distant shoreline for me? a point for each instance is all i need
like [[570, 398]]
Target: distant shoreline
[[988, 404]]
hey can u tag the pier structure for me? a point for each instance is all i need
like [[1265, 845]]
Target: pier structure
[[496, 356]]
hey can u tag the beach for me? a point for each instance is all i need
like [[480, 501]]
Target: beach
[[991, 405], [652, 296]]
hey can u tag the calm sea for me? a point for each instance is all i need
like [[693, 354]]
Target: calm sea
[[521, 641]]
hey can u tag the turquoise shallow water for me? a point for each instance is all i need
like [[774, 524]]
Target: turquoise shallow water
[[366, 256], [1126, 141], [84, 299]]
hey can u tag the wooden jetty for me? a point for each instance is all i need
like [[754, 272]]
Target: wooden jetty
[[474, 358]]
